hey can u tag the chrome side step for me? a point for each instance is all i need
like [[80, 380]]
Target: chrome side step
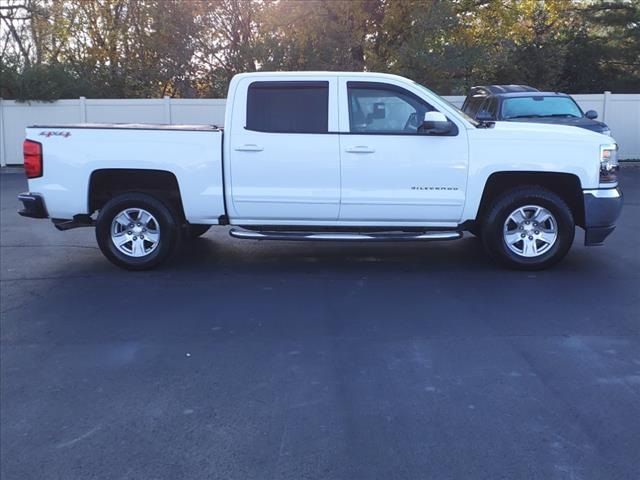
[[346, 236]]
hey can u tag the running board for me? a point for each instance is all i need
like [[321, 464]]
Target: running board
[[346, 236]]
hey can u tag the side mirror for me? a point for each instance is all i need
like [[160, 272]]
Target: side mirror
[[484, 116], [436, 123], [591, 114]]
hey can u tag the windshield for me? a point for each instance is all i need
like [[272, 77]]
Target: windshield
[[457, 109], [538, 106]]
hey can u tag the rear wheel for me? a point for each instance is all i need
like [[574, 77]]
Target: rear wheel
[[136, 231], [529, 228]]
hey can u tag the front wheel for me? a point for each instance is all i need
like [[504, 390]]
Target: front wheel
[[529, 228], [136, 231]]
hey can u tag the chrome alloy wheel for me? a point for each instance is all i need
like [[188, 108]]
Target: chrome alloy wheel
[[530, 231], [135, 232]]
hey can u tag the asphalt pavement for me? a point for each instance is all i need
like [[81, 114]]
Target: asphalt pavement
[[269, 360]]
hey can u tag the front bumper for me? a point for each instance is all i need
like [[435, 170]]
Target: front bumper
[[33, 204], [602, 208]]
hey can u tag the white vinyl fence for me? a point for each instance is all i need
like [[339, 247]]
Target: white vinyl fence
[[620, 111]]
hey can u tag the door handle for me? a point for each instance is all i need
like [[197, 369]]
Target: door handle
[[249, 147], [360, 149]]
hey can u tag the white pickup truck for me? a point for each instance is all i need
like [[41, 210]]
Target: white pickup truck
[[327, 156]]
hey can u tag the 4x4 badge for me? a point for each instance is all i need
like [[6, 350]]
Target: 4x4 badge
[[53, 133]]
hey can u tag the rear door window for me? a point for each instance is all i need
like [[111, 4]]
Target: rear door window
[[288, 107]]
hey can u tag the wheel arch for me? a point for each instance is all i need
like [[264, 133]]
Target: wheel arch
[[565, 185], [106, 183]]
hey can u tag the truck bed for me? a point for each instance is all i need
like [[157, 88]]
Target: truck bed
[[73, 153]]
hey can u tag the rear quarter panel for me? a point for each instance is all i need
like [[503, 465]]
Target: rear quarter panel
[[73, 154]]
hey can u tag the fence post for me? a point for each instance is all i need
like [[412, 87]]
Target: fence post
[[606, 102], [83, 110], [3, 149], [167, 109]]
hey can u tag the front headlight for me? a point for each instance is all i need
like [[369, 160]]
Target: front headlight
[[609, 163]]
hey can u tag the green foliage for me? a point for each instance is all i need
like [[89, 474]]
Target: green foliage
[[42, 82], [189, 48]]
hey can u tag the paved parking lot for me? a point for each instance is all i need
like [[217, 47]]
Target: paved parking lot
[[246, 360]]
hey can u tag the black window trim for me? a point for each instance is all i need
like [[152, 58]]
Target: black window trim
[[284, 84]]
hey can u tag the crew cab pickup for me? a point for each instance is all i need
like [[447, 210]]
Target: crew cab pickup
[[327, 156]]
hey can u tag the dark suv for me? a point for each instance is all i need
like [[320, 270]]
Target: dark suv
[[521, 103]]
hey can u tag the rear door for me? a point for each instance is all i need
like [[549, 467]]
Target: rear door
[[284, 163]]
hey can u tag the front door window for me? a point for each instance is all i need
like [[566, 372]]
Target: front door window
[[379, 109]]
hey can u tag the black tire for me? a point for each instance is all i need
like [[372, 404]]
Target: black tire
[[498, 213], [195, 230], [169, 232]]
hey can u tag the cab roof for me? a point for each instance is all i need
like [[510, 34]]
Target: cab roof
[[304, 73]]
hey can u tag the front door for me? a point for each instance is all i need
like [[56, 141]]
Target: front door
[[390, 172], [284, 163]]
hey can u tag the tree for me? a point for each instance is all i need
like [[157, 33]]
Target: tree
[[318, 34], [149, 48], [227, 42], [415, 39], [616, 39], [14, 23], [122, 48]]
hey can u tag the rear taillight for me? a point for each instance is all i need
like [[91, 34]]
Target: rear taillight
[[32, 158]]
